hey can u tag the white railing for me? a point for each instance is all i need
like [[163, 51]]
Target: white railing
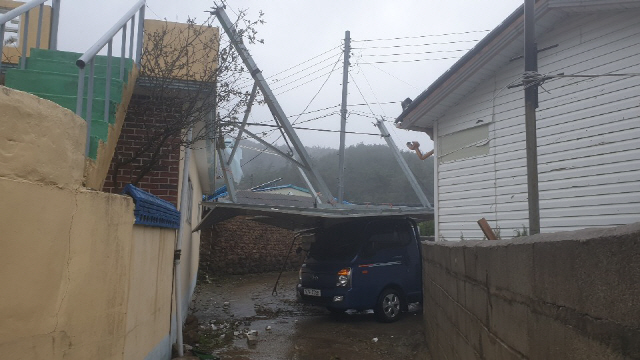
[[24, 36], [88, 58]]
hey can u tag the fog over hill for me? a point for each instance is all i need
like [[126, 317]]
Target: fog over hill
[[372, 174]]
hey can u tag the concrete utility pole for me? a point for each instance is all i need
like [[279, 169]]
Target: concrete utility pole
[[343, 114], [530, 105]]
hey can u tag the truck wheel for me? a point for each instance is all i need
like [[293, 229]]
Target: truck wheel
[[389, 306]]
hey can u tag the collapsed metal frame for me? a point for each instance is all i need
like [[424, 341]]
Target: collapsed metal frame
[[310, 175]]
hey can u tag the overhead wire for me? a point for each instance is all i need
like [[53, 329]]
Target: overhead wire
[[303, 111], [414, 45], [423, 36]]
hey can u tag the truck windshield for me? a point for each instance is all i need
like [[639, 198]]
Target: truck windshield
[[339, 242]]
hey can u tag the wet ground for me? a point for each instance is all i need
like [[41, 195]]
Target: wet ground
[[228, 308]]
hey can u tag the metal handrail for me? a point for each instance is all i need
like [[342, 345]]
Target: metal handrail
[[88, 58], [24, 9]]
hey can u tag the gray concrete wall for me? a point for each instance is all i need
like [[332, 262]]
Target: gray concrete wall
[[568, 295]]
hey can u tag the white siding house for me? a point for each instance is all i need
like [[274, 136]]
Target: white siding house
[[588, 128]]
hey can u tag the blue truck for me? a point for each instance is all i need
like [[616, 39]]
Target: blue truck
[[369, 263]]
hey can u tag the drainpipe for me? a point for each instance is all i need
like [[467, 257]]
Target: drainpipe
[[184, 192]]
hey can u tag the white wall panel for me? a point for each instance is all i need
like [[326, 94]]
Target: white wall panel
[[588, 136]]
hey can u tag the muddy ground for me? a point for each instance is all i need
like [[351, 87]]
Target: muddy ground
[[227, 308]]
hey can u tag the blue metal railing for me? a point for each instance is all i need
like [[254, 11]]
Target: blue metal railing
[[89, 58], [24, 36]]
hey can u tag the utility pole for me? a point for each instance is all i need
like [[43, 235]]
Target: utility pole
[[530, 105], [343, 114]]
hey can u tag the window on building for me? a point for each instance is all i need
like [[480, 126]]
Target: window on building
[[464, 144]]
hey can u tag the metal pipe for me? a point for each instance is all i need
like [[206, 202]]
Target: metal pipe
[[107, 90], [274, 149], [252, 98], [272, 102], [89, 105], [93, 50], [133, 27], [140, 35], [403, 164], [231, 188], [123, 50], [38, 36], [25, 40], [10, 15], [55, 19], [80, 93], [184, 192], [1, 43]]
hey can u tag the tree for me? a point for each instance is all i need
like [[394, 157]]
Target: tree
[[188, 74]]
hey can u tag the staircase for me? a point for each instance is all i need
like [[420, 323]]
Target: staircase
[[53, 75], [77, 81]]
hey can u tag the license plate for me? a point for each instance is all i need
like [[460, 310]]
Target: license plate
[[312, 292]]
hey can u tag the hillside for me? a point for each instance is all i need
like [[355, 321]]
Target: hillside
[[372, 174]]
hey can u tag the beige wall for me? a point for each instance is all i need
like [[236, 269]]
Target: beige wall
[[63, 262], [11, 54], [150, 286], [78, 280], [191, 242], [202, 55]]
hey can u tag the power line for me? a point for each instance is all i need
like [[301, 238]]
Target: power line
[[304, 62], [360, 91], [423, 36], [418, 53], [409, 45], [305, 69], [305, 109], [307, 128], [406, 61], [393, 76]]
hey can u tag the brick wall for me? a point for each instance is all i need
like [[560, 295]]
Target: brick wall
[[142, 122], [242, 246], [569, 295]]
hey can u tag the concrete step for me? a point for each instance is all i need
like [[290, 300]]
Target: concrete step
[[97, 108], [67, 67], [70, 57], [34, 81]]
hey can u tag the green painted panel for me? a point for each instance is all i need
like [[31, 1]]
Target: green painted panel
[[33, 81], [69, 102], [71, 68], [93, 147], [67, 56], [100, 129]]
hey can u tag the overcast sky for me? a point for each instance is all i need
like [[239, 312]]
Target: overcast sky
[[434, 32]]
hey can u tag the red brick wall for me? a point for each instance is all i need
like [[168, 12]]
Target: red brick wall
[[242, 246], [162, 180]]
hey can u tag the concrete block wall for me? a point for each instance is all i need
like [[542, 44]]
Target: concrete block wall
[[242, 246], [568, 295]]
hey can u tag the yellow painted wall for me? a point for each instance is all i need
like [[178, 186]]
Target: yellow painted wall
[[11, 54], [202, 52], [78, 279], [149, 289], [191, 242]]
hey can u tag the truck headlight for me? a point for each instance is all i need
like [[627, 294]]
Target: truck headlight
[[344, 277]]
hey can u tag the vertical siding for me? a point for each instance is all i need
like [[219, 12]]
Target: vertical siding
[[588, 137]]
